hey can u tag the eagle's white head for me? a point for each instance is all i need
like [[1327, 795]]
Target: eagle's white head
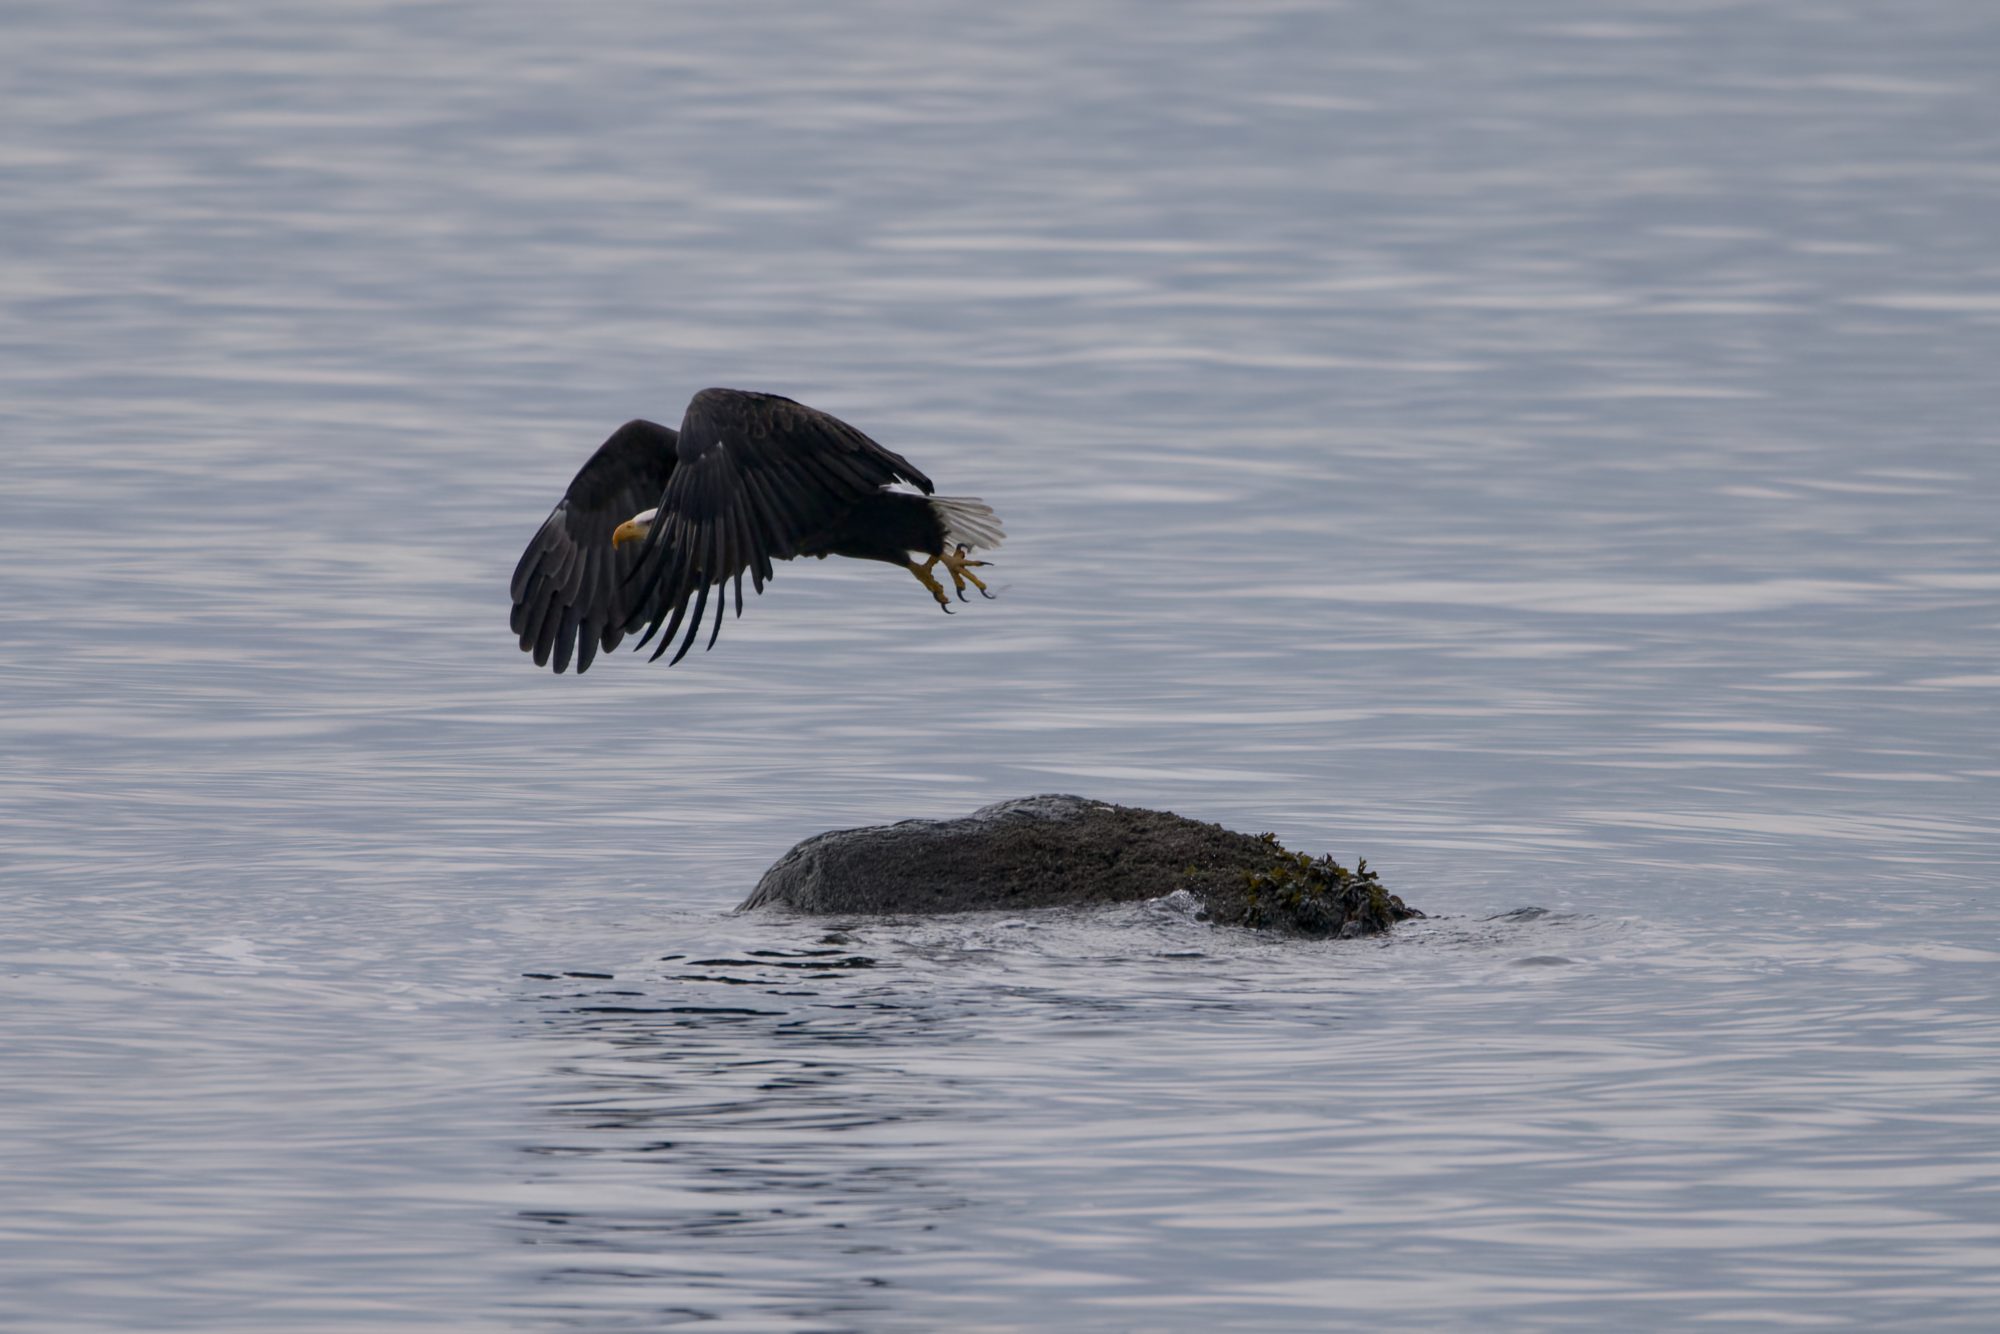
[[634, 529]]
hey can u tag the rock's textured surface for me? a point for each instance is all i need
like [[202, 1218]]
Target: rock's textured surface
[[1054, 850]]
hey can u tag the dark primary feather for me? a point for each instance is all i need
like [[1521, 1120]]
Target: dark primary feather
[[569, 588], [757, 477]]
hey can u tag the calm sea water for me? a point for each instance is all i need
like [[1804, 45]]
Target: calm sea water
[[1546, 449]]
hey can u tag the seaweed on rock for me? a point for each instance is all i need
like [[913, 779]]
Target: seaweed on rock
[[1314, 896]]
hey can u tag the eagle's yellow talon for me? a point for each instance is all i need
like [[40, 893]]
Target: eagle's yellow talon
[[960, 569], [929, 581]]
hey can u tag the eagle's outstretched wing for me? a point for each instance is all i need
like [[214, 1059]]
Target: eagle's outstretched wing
[[569, 590]]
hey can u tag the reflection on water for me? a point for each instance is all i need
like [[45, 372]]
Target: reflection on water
[[1545, 451]]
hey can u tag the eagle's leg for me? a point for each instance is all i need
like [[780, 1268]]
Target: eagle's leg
[[929, 580], [960, 569]]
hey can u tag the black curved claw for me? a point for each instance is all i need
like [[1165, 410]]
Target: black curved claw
[[988, 596], [946, 610]]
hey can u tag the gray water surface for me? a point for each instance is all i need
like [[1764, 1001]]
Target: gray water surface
[[1546, 449]]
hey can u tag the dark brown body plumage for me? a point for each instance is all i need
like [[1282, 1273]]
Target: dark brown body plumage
[[886, 526]]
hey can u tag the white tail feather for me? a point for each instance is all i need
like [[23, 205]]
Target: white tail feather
[[968, 521]]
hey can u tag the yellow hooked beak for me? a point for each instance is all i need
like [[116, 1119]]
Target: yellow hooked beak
[[629, 531]]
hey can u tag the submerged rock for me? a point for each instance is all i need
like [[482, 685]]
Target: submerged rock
[[1054, 850]]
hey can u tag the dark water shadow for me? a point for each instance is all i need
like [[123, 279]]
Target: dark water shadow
[[724, 1104]]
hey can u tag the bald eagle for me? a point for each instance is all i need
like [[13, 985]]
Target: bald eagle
[[656, 519]]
